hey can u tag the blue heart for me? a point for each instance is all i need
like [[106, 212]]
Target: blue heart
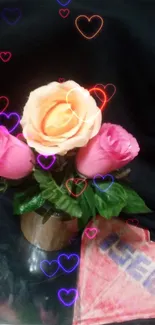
[[61, 4], [11, 10], [103, 177], [42, 263]]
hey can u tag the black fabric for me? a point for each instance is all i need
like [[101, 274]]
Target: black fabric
[[46, 47]]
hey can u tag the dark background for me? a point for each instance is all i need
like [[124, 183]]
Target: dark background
[[46, 47]]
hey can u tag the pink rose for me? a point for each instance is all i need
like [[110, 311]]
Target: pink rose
[[112, 148], [15, 156]]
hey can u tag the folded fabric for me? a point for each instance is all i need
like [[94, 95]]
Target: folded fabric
[[117, 274]]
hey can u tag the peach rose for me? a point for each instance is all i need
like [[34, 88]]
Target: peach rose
[[59, 117]]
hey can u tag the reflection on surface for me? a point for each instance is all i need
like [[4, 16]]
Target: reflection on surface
[[27, 296]]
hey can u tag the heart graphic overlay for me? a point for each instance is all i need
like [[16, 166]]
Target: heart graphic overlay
[[104, 100], [89, 27], [68, 297], [76, 181], [61, 80], [49, 160], [5, 56], [49, 268], [91, 232], [103, 178], [15, 116], [64, 260], [110, 90], [11, 15], [63, 2], [4, 103], [64, 13]]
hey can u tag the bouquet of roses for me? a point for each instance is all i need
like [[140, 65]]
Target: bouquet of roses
[[67, 159]]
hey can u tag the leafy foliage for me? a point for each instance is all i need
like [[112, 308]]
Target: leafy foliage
[[24, 203], [87, 203], [135, 203], [111, 202], [57, 196]]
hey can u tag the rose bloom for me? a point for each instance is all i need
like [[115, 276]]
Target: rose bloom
[[56, 119], [112, 148], [15, 156]]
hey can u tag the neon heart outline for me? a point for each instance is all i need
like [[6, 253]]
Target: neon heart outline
[[7, 104], [67, 291], [68, 257], [49, 263], [10, 10], [90, 229], [88, 19], [61, 80], [90, 90], [61, 4], [62, 10], [73, 179], [103, 179], [45, 156], [8, 116], [5, 60], [108, 99]]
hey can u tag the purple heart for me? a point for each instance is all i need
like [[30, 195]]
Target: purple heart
[[5, 11], [53, 157], [8, 116], [103, 177], [65, 4], [74, 256], [42, 264], [68, 292]]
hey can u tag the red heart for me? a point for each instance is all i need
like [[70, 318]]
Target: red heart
[[76, 180], [61, 80], [5, 56], [64, 12], [133, 222], [7, 103], [105, 87], [104, 100]]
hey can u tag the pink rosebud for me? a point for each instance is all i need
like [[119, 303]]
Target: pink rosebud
[[16, 158], [112, 148]]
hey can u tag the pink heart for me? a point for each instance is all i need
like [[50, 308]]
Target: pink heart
[[88, 232], [5, 56], [105, 87], [64, 12], [53, 159]]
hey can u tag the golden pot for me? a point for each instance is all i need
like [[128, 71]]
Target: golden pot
[[52, 235]]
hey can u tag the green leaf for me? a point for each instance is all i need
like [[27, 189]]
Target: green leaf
[[85, 212], [23, 204], [110, 203], [135, 203], [89, 195], [87, 204], [43, 178], [61, 200]]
